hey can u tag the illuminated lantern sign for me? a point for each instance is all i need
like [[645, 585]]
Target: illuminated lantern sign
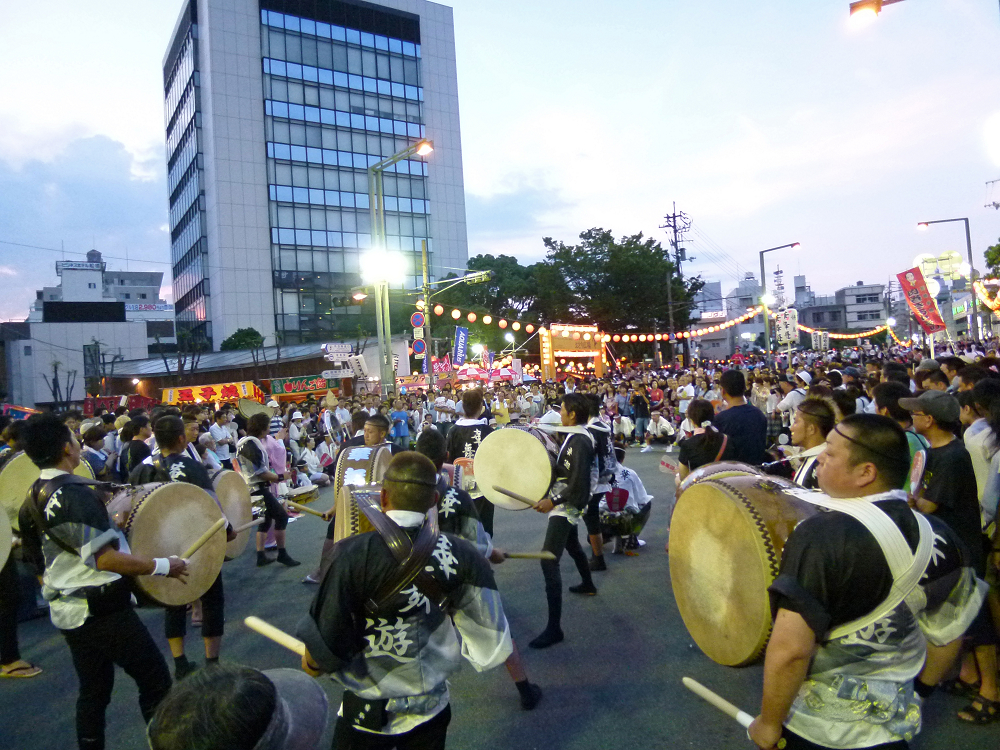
[[294, 386], [209, 393], [581, 343]]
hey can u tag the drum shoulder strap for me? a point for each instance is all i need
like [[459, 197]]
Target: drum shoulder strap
[[412, 557], [38, 498]]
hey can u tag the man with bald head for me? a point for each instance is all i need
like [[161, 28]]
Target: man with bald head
[[863, 583]]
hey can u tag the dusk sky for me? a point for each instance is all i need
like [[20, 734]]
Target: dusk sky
[[767, 122]]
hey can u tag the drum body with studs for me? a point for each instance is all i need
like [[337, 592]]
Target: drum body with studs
[[234, 497], [165, 519], [17, 474], [357, 466], [726, 539], [719, 470], [516, 460]]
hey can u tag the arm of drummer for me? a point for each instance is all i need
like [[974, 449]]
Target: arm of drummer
[[110, 559], [786, 665]]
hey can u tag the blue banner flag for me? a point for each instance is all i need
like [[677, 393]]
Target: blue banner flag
[[461, 345]]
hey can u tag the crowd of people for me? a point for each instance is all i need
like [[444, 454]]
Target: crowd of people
[[917, 437]]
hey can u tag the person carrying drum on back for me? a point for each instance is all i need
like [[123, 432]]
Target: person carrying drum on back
[[174, 464], [251, 456], [67, 531], [565, 505]]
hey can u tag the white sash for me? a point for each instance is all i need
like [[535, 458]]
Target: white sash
[[907, 568]]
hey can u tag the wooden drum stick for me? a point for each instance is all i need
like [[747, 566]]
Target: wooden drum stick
[[203, 539], [744, 719], [244, 527], [303, 508], [280, 637], [529, 555], [514, 495]]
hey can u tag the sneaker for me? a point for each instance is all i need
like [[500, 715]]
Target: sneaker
[[597, 563], [547, 638], [584, 589], [285, 559], [646, 449], [310, 579]]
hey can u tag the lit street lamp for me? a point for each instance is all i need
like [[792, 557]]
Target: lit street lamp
[[764, 294], [974, 321], [869, 8], [381, 267]]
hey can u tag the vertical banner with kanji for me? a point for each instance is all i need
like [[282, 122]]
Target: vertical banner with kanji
[[461, 345], [919, 298]]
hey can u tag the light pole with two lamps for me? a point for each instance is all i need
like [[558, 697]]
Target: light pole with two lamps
[[380, 266], [767, 300], [974, 328]]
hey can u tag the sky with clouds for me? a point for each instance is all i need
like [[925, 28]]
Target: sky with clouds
[[769, 122]]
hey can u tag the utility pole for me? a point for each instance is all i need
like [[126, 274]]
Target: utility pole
[[427, 318], [679, 223]]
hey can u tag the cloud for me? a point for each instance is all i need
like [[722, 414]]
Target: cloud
[[86, 197], [514, 220]]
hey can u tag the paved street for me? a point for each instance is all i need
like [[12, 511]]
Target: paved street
[[614, 683]]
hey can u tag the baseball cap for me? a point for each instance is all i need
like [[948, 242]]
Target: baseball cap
[[938, 404], [928, 364], [854, 372]]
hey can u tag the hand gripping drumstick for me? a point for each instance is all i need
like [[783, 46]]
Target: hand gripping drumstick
[[744, 719], [303, 508], [529, 555], [514, 495], [203, 539], [280, 637]]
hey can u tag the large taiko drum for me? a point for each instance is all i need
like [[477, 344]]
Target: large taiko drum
[[516, 460], [17, 474], [350, 519], [165, 519], [233, 493], [726, 539], [357, 466], [720, 470], [6, 539]]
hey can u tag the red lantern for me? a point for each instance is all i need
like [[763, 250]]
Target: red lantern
[[502, 323], [471, 317], [616, 337], [438, 310], [529, 328]]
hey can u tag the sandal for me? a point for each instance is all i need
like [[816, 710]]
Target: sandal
[[21, 672], [958, 686], [987, 712]]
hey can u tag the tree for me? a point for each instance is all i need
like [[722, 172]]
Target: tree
[[992, 256], [190, 347], [243, 338]]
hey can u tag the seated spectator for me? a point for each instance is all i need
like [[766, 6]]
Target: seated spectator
[[659, 431]]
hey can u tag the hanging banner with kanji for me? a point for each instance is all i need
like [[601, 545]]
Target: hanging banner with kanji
[[919, 298], [220, 392], [293, 386]]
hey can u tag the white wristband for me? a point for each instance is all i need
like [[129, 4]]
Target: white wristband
[[161, 566]]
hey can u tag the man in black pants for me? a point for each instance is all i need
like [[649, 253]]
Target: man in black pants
[[174, 464], [464, 439], [602, 474], [66, 530], [255, 466], [565, 505]]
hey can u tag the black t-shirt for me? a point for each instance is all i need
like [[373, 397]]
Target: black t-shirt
[[640, 406], [950, 482], [464, 440], [177, 467], [746, 426], [702, 449], [833, 571], [133, 453]]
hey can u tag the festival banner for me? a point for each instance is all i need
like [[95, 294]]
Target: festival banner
[[919, 298], [295, 386], [461, 345], [442, 365]]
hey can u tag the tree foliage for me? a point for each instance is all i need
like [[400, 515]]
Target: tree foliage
[[992, 256], [242, 338]]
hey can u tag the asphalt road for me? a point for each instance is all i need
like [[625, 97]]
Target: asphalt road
[[614, 683]]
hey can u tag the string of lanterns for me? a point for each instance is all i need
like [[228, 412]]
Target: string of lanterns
[[862, 335], [993, 303], [472, 317], [697, 333]]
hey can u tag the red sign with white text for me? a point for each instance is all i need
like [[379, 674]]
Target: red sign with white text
[[919, 298]]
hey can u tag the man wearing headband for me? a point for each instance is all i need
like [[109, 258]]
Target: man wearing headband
[[863, 587], [230, 706], [813, 420], [393, 639]]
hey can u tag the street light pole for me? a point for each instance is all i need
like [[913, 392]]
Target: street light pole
[[376, 208], [974, 326], [763, 295]]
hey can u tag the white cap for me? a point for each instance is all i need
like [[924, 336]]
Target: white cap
[[272, 402], [297, 415]]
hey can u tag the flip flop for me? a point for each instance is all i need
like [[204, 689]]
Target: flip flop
[[28, 670], [980, 711]]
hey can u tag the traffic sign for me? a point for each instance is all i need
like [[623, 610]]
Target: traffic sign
[[338, 348], [419, 346], [337, 374], [417, 319], [418, 332]]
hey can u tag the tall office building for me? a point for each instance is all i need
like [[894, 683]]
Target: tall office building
[[275, 109]]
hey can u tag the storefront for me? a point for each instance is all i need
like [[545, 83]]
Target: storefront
[[315, 386], [216, 393]]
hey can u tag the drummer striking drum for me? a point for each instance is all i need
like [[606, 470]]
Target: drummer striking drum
[[66, 529]]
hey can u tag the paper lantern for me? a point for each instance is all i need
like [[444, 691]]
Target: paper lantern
[[516, 326], [576, 336], [456, 314], [642, 337], [471, 317], [616, 337], [502, 323], [438, 310], [487, 319], [529, 328], [658, 336]]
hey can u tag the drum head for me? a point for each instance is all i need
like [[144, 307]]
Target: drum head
[[16, 478], [83, 470], [517, 461], [247, 407], [719, 470], [360, 464], [726, 537], [166, 522], [234, 497], [6, 539]]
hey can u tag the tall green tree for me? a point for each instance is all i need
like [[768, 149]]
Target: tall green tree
[[992, 256]]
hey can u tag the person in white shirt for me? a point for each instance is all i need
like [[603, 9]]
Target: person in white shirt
[[343, 415], [311, 465], [296, 433], [223, 438], [622, 428], [792, 393], [684, 394], [211, 458], [659, 431], [444, 410], [552, 416]]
